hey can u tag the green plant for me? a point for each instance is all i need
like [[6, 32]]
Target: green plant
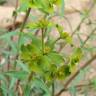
[[2, 2], [37, 64]]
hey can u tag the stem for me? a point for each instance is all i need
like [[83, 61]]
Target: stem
[[73, 76], [9, 48], [23, 25], [56, 40], [42, 41], [78, 87], [88, 37], [53, 88], [21, 30], [20, 34], [78, 27], [29, 80], [15, 17]]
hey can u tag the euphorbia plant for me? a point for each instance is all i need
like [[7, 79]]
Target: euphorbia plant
[[40, 55], [39, 63]]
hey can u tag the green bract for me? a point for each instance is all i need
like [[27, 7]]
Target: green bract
[[75, 58], [42, 23], [40, 63], [45, 6], [64, 35]]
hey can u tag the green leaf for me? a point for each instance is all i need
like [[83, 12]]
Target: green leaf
[[13, 45], [75, 58], [42, 23], [8, 35], [62, 7], [60, 29], [34, 67], [80, 39], [3, 86], [27, 90], [23, 66], [32, 40], [45, 62], [2, 2], [93, 81], [90, 48], [55, 58], [80, 77], [64, 35], [73, 91], [16, 74], [41, 85], [63, 72], [4, 89], [24, 6], [12, 83]]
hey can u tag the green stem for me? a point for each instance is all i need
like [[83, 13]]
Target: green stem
[[18, 48], [20, 35], [42, 41], [53, 88], [23, 25], [56, 40], [28, 81]]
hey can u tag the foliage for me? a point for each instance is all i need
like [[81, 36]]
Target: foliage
[[2, 2], [35, 62]]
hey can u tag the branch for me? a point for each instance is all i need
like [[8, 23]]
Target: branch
[[73, 76], [88, 37], [78, 87], [83, 19], [15, 16], [21, 30]]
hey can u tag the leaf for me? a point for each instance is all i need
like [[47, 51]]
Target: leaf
[[42, 23], [34, 67], [94, 82], [24, 6], [2, 2], [63, 72], [12, 83], [46, 7], [64, 35], [27, 90], [41, 85], [2, 77], [3, 86], [35, 40], [16, 74], [75, 58], [4, 89], [80, 77], [73, 91], [62, 7], [69, 40], [80, 39], [55, 58], [90, 48], [23, 66], [60, 29], [13, 46], [8, 35], [45, 62]]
